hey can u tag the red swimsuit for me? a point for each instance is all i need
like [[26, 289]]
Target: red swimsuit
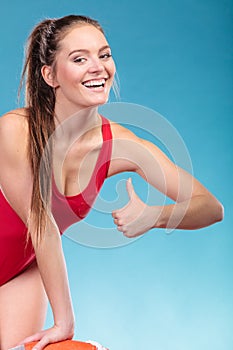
[[15, 255]]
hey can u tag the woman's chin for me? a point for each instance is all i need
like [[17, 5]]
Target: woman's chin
[[99, 102]]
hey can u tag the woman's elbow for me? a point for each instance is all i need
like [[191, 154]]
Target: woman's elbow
[[218, 211]]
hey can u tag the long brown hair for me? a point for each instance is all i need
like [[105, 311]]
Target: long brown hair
[[41, 49]]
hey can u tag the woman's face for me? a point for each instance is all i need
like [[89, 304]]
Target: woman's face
[[84, 69]]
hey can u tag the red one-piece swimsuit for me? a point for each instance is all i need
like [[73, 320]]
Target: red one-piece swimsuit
[[15, 254]]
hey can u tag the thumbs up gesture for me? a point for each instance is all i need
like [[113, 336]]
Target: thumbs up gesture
[[135, 218]]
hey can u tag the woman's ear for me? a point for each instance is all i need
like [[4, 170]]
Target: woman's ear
[[48, 76]]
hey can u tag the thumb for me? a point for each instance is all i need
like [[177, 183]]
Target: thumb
[[129, 187]]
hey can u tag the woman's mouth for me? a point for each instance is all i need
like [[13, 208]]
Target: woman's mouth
[[95, 83]]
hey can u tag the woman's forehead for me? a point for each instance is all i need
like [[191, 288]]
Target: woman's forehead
[[82, 36]]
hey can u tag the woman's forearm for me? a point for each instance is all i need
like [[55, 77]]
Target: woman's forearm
[[195, 213], [53, 271]]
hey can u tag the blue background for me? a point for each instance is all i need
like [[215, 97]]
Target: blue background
[[161, 292]]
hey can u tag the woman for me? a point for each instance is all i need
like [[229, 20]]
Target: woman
[[53, 166]]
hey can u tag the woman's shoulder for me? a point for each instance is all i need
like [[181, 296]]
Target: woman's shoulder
[[14, 121], [15, 115], [126, 149], [14, 130], [121, 132]]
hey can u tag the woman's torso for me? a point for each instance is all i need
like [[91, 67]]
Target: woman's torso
[[15, 254]]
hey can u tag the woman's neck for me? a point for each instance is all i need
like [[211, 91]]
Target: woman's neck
[[77, 124]]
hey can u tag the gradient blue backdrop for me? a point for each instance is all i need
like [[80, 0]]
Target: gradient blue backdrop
[[160, 292]]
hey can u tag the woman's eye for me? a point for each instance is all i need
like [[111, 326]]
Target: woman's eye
[[79, 59], [106, 55]]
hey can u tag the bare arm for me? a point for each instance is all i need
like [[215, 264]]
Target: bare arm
[[16, 183], [194, 206]]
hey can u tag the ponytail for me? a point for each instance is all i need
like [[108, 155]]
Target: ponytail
[[42, 46]]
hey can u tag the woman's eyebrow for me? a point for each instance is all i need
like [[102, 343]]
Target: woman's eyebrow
[[86, 51], [104, 48]]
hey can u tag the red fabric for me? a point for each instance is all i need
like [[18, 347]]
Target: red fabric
[[70, 209], [15, 255]]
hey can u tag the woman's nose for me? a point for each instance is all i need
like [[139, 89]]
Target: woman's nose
[[96, 66]]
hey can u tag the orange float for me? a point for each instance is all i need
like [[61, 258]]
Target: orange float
[[63, 345]]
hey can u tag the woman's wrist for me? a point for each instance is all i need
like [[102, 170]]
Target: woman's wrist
[[67, 325], [161, 215], [65, 319]]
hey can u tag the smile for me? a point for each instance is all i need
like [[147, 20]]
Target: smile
[[95, 83]]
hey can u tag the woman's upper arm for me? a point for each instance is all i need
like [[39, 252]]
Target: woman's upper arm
[[169, 178], [15, 172], [131, 153]]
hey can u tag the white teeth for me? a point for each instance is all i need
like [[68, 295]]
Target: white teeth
[[94, 83]]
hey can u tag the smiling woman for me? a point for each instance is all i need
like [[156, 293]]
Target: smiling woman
[[56, 72], [56, 153], [84, 70]]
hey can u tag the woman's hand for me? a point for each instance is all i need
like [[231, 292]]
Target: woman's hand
[[51, 335], [136, 217]]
